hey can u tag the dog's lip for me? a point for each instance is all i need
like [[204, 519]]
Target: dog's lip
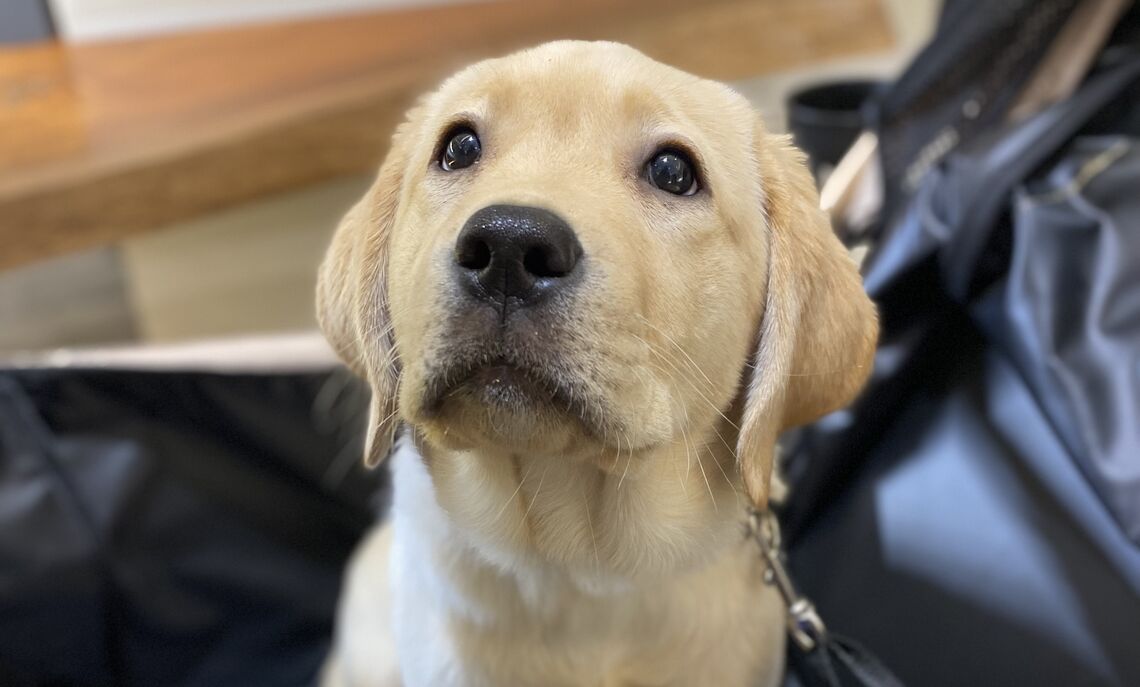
[[503, 374], [498, 371], [542, 386]]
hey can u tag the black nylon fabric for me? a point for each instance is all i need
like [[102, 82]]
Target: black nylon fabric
[[1069, 315], [175, 528], [973, 518], [960, 85]]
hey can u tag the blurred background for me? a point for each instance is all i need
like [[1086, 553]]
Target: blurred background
[[172, 170]]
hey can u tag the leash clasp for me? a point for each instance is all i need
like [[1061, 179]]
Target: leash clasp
[[804, 624]]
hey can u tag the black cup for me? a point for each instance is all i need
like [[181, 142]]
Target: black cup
[[826, 118]]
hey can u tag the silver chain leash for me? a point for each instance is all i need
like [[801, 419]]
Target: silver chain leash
[[804, 624]]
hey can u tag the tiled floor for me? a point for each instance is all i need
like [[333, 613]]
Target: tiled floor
[[252, 269]]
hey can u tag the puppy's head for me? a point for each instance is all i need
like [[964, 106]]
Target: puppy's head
[[577, 251]]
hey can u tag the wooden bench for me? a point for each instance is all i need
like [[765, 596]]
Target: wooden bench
[[102, 141]]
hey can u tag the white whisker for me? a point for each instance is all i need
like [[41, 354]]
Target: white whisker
[[627, 461], [706, 478], [685, 377], [514, 493], [678, 347], [536, 491], [590, 524]]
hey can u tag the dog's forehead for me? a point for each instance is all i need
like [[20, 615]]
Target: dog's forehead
[[569, 83]]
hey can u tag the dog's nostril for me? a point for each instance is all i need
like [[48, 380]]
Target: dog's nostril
[[474, 255], [542, 263]]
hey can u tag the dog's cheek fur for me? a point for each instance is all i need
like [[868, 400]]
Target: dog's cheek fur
[[419, 292]]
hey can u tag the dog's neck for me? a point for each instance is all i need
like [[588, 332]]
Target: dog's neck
[[471, 589], [548, 524]]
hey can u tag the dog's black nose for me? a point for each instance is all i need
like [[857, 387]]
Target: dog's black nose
[[513, 255]]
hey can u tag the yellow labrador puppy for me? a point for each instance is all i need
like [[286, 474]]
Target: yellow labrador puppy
[[593, 289]]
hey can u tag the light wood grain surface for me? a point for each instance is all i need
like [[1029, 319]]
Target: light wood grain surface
[[102, 141]]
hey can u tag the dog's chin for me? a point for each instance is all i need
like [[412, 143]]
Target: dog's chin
[[503, 389], [504, 407]]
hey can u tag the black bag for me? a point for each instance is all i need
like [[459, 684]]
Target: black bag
[[975, 517], [175, 528]]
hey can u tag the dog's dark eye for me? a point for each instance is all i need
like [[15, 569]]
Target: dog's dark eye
[[672, 172], [461, 150]]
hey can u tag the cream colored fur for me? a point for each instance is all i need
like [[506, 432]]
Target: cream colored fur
[[531, 548]]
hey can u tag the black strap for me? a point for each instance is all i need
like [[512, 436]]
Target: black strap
[[837, 661]]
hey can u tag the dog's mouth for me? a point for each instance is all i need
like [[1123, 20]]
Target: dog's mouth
[[503, 383]]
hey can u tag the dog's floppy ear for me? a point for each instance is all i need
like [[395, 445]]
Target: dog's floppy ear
[[352, 293], [818, 333]]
